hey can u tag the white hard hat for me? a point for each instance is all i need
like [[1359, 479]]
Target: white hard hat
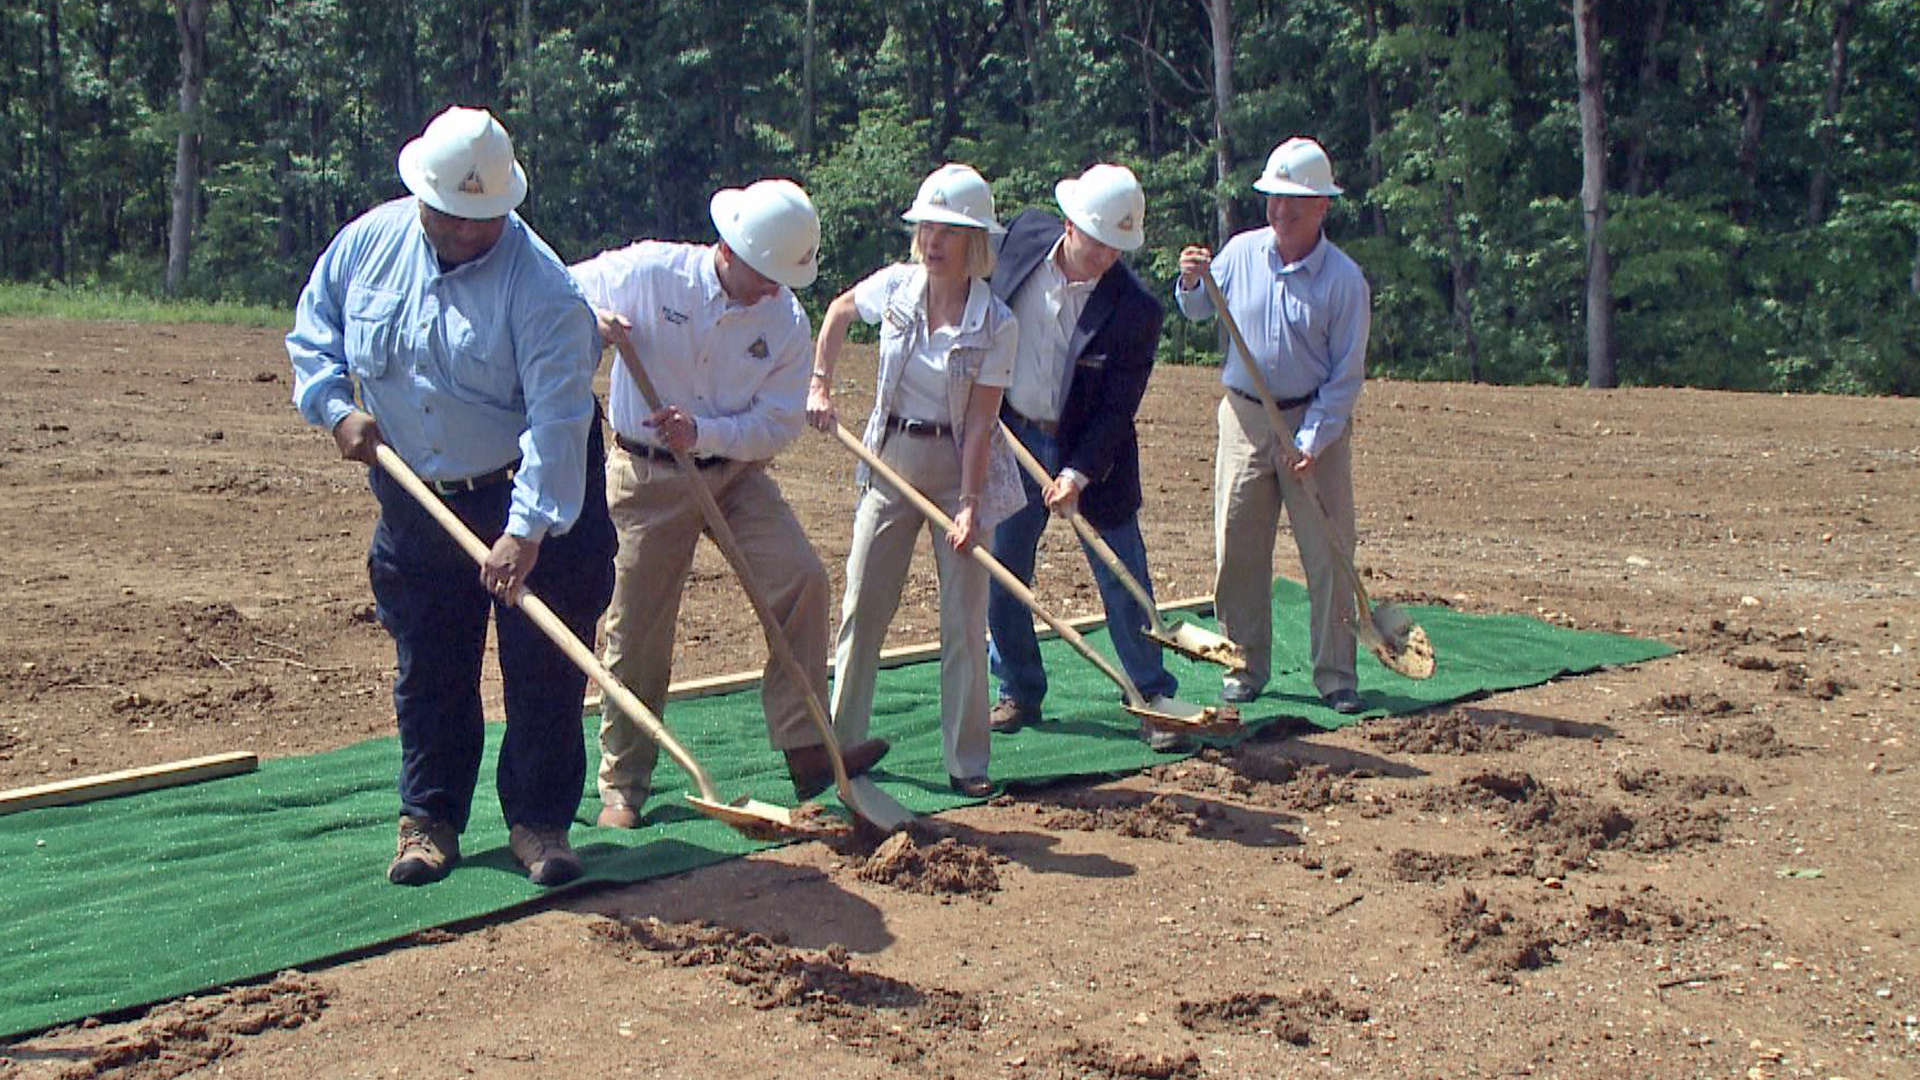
[[955, 195], [1298, 166], [463, 165], [773, 226], [1107, 204]]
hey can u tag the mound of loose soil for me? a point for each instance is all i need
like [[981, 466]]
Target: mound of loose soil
[[1754, 739], [1092, 1061], [1290, 1019], [1157, 818], [1654, 781], [184, 1036], [1454, 731], [945, 868], [1496, 938]]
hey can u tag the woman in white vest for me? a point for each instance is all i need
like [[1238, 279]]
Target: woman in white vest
[[946, 356]]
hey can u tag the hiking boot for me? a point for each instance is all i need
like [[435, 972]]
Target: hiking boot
[[428, 850], [1009, 716], [618, 815], [544, 851], [812, 768]]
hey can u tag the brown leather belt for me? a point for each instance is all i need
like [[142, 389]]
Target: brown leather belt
[[475, 483], [1284, 403], [1045, 427], [919, 429], [658, 453]]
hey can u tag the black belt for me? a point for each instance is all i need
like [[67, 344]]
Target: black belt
[[1284, 403], [919, 429], [1046, 427], [640, 449], [474, 483]]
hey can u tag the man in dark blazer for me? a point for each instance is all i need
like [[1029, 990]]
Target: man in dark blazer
[[1087, 334]]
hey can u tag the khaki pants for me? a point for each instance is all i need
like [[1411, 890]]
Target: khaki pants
[[885, 529], [659, 524], [1248, 493]]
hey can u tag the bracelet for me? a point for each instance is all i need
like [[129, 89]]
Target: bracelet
[[819, 374], [967, 499]]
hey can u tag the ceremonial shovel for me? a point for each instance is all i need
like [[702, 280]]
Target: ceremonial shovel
[[752, 817], [1182, 637], [859, 794], [1387, 631], [1189, 720]]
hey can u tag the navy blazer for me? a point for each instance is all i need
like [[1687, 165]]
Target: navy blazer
[[1112, 348]]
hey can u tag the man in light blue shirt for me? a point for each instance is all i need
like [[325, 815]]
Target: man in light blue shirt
[[443, 326], [1305, 310]]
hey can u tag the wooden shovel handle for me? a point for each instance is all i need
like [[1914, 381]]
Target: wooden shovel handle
[[1283, 434], [549, 623], [729, 546], [1000, 573], [1089, 534]]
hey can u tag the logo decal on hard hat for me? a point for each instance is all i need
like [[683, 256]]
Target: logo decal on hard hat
[[472, 185], [1126, 224], [807, 258], [938, 198]]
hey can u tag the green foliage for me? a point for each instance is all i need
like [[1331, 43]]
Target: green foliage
[[1453, 127], [109, 304]]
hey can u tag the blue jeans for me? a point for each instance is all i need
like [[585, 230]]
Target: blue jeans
[[1015, 651], [428, 595]]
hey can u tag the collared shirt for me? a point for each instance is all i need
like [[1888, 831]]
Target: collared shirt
[[739, 370], [1306, 322], [465, 370], [1048, 307], [924, 387]]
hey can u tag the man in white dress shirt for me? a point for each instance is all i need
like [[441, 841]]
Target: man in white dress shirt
[[727, 347]]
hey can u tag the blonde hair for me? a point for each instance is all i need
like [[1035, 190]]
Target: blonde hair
[[980, 257]]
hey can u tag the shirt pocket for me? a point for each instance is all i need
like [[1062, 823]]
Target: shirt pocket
[[475, 373], [372, 326]]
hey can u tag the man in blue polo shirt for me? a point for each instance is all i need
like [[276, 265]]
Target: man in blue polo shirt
[[1305, 310], [473, 357]]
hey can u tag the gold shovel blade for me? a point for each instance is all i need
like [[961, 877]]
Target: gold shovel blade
[[1202, 645], [1402, 646], [1186, 718], [749, 816]]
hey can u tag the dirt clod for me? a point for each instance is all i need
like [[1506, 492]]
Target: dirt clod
[[947, 867]]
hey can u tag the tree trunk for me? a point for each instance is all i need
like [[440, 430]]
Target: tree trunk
[[1036, 78], [1649, 85], [1830, 111], [1593, 195], [190, 18], [1376, 169], [806, 86], [55, 77], [1747, 158], [1219, 16]]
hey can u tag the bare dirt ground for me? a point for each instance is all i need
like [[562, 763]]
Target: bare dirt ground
[[1703, 866]]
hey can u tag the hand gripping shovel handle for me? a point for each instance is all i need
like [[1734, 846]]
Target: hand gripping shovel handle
[[550, 624], [1000, 573], [730, 547], [1089, 534]]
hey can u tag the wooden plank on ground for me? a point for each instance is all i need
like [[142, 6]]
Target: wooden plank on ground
[[127, 781]]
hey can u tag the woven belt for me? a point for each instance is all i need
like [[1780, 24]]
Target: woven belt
[[1284, 403], [919, 429], [640, 449], [475, 483], [1045, 427]]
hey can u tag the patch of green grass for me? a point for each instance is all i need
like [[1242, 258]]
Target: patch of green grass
[[100, 304]]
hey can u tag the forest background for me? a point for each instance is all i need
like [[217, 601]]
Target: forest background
[[1714, 193]]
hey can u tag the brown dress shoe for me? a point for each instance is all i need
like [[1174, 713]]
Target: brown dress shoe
[[973, 787], [618, 815], [544, 851], [1009, 716], [812, 768], [427, 851]]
